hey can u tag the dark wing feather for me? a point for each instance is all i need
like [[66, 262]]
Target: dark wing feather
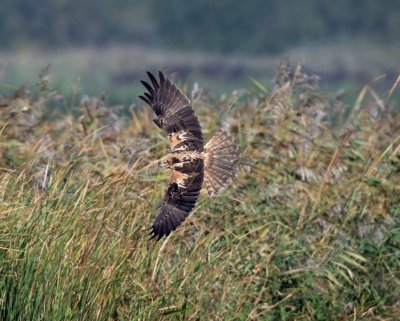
[[177, 204], [174, 113]]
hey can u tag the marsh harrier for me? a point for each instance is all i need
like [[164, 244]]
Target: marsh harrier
[[191, 162]]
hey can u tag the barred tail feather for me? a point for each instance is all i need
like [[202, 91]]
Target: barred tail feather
[[220, 154]]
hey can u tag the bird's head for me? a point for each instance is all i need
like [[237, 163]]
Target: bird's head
[[164, 162]]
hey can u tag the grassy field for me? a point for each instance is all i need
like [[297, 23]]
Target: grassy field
[[309, 229]]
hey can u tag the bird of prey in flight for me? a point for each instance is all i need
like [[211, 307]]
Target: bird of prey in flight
[[191, 162]]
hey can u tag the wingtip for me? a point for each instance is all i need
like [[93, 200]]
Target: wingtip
[[161, 76], [145, 99], [159, 237], [152, 237], [153, 80], [148, 87], [153, 233]]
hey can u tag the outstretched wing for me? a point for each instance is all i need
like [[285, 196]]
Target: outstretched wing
[[174, 114], [179, 200]]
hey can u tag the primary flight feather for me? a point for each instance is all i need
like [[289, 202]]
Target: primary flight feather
[[191, 162]]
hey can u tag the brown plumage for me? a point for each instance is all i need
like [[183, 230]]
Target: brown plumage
[[191, 162], [220, 154]]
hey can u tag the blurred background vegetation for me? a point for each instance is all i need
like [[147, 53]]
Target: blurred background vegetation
[[254, 26], [309, 230], [107, 45]]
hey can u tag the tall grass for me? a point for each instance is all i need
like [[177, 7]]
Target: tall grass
[[309, 229]]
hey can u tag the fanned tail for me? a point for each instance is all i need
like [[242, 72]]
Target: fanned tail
[[220, 154]]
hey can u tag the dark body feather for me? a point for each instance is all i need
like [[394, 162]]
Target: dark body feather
[[191, 162], [176, 118]]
